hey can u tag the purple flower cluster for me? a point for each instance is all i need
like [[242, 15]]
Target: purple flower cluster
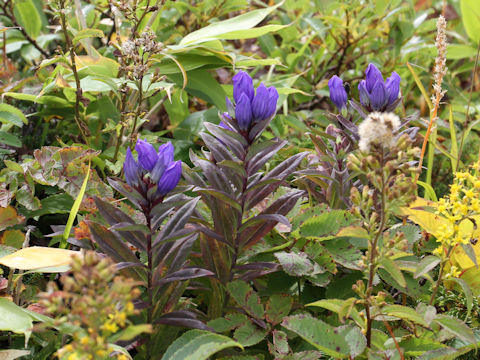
[[251, 108], [375, 93], [153, 168]]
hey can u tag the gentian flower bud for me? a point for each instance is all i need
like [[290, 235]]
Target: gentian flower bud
[[147, 155], [250, 108], [364, 95], [393, 87], [153, 169], [170, 178], [242, 84], [372, 76], [338, 94], [243, 112], [130, 168], [224, 126], [376, 94]]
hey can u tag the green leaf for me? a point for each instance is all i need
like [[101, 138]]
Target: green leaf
[[278, 307], [319, 334], [404, 313], [325, 224], [249, 334], [13, 318], [295, 264], [76, 205], [87, 33], [428, 263], [335, 305], [10, 139], [354, 338], [198, 345], [246, 298], [227, 323], [471, 18], [28, 17], [11, 115], [222, 28], [9, 217], [468, 294], [456, 327], [392, 268]]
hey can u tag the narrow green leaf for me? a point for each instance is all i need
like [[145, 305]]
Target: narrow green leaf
[[27, 15], [468, 294], [405, 313], [76, 205], [453, 141], [429, 191], [10, 114], [392, 268], [420, 86], [428, 263], [198, 345], [471, 18], [87, 33]]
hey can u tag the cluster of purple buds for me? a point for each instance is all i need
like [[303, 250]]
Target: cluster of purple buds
[[153, 169], [375, 93], [251, 108]]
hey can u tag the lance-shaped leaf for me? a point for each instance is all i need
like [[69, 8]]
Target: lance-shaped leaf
[[178, 220], [281, 172], [184, 274], [281, 206], [126, 190], [114, 247], [235, 142], [182, 318], [114, 216], [260, 153], [218, 150]]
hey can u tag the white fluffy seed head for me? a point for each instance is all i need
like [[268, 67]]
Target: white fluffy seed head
[[378, 128]]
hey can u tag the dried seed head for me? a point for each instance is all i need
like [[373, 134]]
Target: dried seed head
[[378, 128]]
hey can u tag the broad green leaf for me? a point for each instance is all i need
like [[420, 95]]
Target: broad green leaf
[[354, 338], [27, 15], [335, 305], [295, 264], [76, 205], [198, 345], [392, 268], [319, 334], [404, 313], [471, 18], [13, 318], [239, 23], [325, 224], [13, 238], [10, 114], [87, 33], [249, 334], [37, 257], [246, 298], [456, 327], [10, 139], [227, 323], [278, 307]]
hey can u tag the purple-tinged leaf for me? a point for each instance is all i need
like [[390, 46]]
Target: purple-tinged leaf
[[184, 274], [219, 151], [126, 190], [182, 318]]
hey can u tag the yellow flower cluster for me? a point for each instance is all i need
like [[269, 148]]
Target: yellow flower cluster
[[461, 205]]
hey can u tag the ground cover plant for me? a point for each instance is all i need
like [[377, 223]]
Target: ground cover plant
[[243, 180]]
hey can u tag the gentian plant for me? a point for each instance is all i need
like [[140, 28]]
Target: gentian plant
[[376, 94], [232, 181], [153, 252]]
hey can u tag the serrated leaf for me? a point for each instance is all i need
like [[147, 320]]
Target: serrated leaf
[[278, 307], [246, 298], [319, 334], [325, 224], [249, 334], [295, 264]]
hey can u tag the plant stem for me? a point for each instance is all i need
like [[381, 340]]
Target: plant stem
[[139, 109], [372, 260], [149, 280], [440, 276], [73, 66]]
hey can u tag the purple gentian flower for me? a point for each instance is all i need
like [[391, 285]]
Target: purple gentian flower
[[338, 94], [153, 168], [249, 107], [376, 94]]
